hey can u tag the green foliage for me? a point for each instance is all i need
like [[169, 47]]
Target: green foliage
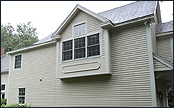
[[3, 101], [16, 105], [170, 96], [24, 35]]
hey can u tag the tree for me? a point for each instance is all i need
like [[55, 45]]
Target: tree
[[24, 35]]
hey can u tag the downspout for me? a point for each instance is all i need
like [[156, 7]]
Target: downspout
[[151, 65]]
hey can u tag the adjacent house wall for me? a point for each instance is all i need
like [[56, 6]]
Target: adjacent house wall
[[36, 64], [164, 47], [4, 80]]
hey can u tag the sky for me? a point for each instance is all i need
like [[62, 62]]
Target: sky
[[47, 16]]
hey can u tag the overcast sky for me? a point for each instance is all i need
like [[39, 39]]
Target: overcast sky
[[47, 16]]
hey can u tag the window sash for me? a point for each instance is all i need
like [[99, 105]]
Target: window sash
[[80, 29], [18, 61], [21, 95]]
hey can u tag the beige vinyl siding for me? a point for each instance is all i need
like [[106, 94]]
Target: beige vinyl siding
[[93, 25], [129, 85], [158, 64], [164, 47], [36, 64], [4, 79], [130, 66]]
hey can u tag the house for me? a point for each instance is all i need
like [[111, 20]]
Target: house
[[5, 60], [122, 57]]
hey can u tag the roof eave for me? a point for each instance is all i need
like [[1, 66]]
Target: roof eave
[[30, 47], [145, 18], [164, 34]]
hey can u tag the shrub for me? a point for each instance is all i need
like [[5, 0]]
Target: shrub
[[15, 105], [3, 101]]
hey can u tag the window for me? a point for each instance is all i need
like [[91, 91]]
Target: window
[[3, 91], [80, 29], [17, 61], [81, 49], [67, 50], [93, 45], [2, 86], [21, 95]]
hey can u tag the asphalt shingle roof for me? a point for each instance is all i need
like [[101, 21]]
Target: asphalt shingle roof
[[130, 11], [5, 60], [164, 27], [47, 38]]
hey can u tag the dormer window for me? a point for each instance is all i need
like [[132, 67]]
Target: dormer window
[[80, 29]]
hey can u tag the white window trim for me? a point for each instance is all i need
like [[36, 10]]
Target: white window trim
[[73, 33], [14, 62], [18, 94], [3, 91], [100, 42]]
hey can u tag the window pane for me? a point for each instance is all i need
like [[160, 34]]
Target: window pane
[[3, 87], [79, 53], [67, 45], [80, 42], [67, 55], [22, 100], [93, 50], [3, 95], [21, 91], [93, 39], [79, 29], [18, 61]]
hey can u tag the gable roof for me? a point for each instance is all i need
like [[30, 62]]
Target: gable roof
[[5, 61], [116, 15], [73, 13], [130, 11], [164, 27]]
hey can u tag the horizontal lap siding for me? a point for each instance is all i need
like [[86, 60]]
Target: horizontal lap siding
[[164, 48], [129, 84], [130, 66], [36, 64]]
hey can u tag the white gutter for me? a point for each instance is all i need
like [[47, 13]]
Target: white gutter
[[165, 33], [30, 47]]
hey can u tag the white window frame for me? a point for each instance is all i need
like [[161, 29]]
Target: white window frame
[[14, 61], [18, 95], [3, 91], [86, 35], [73, 29]]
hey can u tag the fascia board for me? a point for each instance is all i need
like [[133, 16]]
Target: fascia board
[[30, 47], [162, 60], [72, 14], [149, 17], [109, 24], [164, 34]]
